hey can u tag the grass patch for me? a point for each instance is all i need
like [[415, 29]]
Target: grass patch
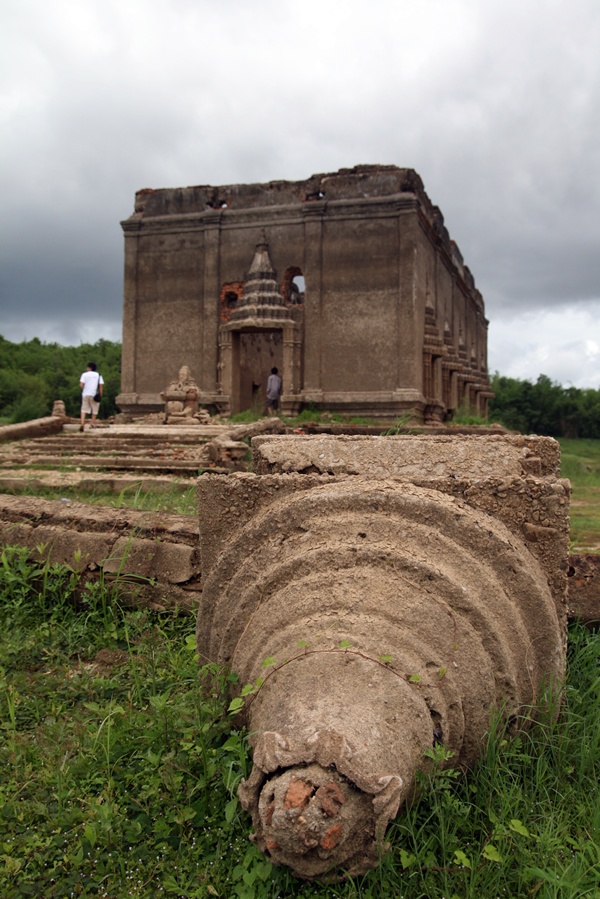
[[246, 417], [120, 768], [580, 462], [178, 499], [465, 415], [312, 415]]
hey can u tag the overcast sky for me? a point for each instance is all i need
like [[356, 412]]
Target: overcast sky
[[496, 103]]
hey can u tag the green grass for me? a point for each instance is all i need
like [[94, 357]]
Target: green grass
[[178, 499], [120, 766], [464, 415], [580, 462], [310, 415]]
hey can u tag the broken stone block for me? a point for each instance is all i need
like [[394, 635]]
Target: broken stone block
[[376, 617]]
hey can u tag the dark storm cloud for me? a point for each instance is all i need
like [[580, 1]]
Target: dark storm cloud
[[495, 104]]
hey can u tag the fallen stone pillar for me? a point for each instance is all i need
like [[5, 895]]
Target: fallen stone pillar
[[380, 596]]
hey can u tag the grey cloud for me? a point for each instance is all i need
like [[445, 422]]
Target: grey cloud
[[496, 106]]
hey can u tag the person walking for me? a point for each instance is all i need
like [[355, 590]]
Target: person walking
[[92, 385], [274, 385]]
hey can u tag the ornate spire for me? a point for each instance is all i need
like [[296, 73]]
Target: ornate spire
[[261, 297]]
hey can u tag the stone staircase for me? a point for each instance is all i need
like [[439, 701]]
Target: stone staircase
[[110, 452], [53, 453]]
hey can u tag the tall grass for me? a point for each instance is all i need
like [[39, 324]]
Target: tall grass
[[120, 767], [580, 462]]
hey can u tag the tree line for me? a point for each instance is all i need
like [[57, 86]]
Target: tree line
[[33, 374], [545, 407]]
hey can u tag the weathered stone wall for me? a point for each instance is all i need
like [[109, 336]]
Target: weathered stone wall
[[391, 318], [154, 557], [584, 588]]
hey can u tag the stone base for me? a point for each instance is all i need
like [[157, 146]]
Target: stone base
[[136, 405], [39, 427]]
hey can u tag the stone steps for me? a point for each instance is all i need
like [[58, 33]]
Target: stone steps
[[134, 451], [109, 463], [152, 557], [77, 451], [182, 452], [29, 480], [104, 449]]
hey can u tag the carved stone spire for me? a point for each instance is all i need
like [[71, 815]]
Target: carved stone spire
[[261, 297]]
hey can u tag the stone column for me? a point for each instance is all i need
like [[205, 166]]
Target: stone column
[[377, 618], [313, 272], [130, 301], [292, 369], [209, 310], [291, 359], [225, 365], [410, 319], [437, 379]]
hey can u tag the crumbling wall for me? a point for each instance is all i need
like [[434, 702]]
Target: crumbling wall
[[153, 557], [584, 588], [393, 603], [382, 281]]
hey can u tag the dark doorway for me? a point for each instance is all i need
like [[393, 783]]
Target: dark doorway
[[254, 355]]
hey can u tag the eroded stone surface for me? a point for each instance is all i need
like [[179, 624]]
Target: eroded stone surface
[[315, 814], [154, 556], [411, 457], [348, 282], [393, 616], [584, 588], [39, 427]]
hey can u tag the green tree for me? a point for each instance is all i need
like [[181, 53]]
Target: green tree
[[33, 374], [545, 407]]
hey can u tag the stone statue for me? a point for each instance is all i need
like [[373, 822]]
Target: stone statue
[[181, 400]]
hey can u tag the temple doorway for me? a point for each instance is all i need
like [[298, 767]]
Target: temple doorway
[[254, 354]]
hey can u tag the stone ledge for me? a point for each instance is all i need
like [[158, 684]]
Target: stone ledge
[[39, 427], [154, 558], [409, 456]]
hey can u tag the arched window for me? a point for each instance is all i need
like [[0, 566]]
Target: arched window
[[228, 300], [293, 286]]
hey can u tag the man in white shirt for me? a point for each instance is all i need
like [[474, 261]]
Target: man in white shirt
[[91, 383]]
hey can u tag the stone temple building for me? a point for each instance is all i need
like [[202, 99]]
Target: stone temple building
[[347, 282]]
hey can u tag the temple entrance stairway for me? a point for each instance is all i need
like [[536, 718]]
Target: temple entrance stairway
[[120, 454]]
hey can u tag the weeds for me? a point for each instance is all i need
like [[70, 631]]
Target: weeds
[[465, 415], [401, 425], [179, 498], [120, 768]]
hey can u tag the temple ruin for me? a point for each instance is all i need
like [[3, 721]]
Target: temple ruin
[[347, 282]]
